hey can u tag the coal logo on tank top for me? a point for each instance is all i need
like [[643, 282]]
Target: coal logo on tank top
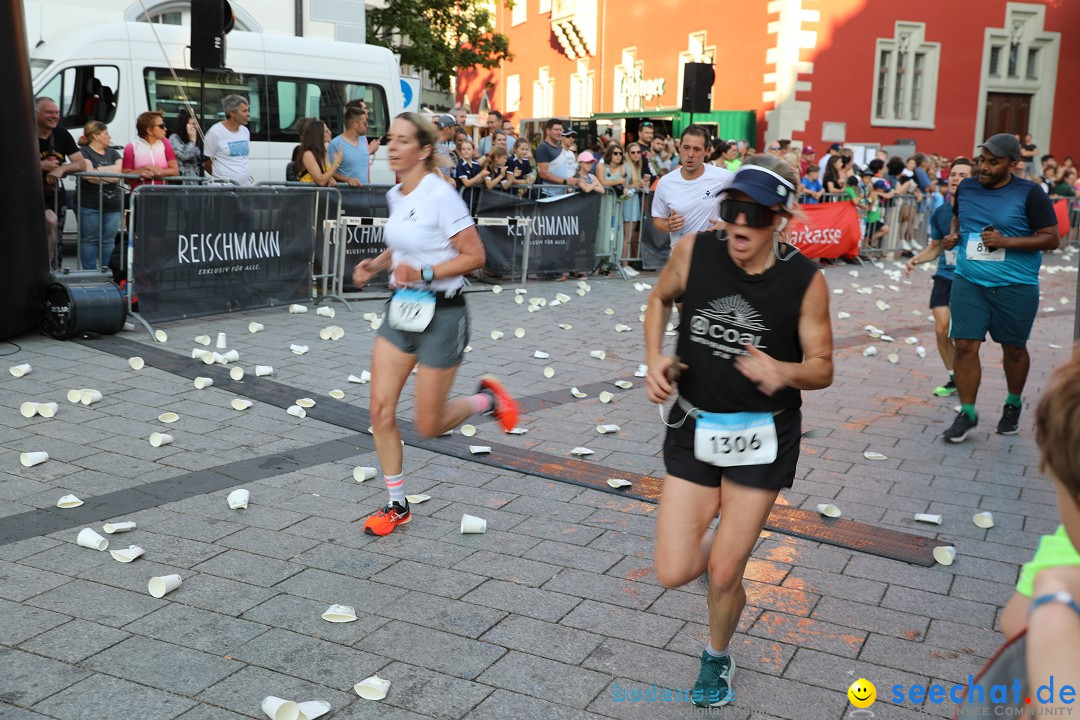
[[727, 325]]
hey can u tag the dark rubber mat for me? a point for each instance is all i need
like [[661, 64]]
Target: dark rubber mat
[[806, 524]]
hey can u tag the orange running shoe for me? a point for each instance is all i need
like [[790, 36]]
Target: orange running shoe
[[387, 518], [505, 408]]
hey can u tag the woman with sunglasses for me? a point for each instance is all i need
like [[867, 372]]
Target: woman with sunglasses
[[149, 155], [755, 333]]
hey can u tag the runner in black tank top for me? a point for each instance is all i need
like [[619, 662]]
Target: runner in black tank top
[[754, 332]]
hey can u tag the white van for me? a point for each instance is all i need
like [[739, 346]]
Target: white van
[[112, 72]]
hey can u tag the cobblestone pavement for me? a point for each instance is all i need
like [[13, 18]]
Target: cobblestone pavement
[[554, 611]]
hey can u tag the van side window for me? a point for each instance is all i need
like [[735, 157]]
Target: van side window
[[84, 93], [293, 98], [168, 97]]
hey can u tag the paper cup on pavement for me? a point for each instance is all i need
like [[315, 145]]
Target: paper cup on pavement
[[119, 527], [928, 518], [231, 356], [163, 585], [126, 555], [161, 336], [337, 394], [945, 554], [497, 334], [74, 396], [549, 372], [598, 354], [136, 363], [279, 709], [326, 332], [240, 404], [468, 430], [238, 499], [28, 409], [297, 411], [203, 339], [89, 397], [263, 370], [48, 410], [313, 709], [306, 402], [325, 311], [30, 459], [472, 525], [829, 510], [213, 357], [20, 370], [605, 429], [90, 539], [168, 417], [68, 501], [254, 327], [201, 383], [984, 520], [372, 688], [606, 397], [363, 474], [158, 439], [339, 614], [221, 343], [338, 333], [298, 349], [199, 353], [297, 309]]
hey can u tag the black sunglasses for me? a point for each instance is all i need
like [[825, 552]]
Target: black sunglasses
[[756, 216]]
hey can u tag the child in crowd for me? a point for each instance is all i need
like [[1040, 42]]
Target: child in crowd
[[468, 173], [812, 189], [499, 177], [520, 166]]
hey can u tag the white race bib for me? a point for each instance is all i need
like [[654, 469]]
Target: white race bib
[[732, 439], [411, 310], [980, 253]]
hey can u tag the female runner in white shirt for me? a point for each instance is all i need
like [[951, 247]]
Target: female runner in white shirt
[[431, 243]]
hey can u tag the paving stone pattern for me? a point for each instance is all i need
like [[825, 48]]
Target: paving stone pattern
[[555, 612]]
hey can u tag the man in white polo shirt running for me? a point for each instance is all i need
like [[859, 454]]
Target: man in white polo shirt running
[[687, 201]]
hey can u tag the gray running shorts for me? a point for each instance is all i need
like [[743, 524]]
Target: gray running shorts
[[441, 344]]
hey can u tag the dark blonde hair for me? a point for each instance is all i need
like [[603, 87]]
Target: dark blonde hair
[[145, 121], [1057, 425], [91, 129], [427, 136]]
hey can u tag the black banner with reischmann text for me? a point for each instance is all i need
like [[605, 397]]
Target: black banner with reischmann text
[[363, 241], [209, 250]]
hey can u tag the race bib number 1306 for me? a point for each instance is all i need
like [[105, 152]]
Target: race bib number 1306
[[732, 439]]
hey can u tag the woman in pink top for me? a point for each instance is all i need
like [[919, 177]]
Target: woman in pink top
[[149, 155]]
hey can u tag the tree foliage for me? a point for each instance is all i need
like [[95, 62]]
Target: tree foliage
[[439, 35]]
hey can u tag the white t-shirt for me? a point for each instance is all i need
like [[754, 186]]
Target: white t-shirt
[[229, 151], [421, 225], [698, 201]]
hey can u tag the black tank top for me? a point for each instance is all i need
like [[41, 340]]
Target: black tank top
[[725, 308]]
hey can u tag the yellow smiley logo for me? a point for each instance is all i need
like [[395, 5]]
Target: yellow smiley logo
[[862, 693]]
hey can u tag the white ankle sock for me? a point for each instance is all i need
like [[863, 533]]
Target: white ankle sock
[[716, 653], [396, 485]]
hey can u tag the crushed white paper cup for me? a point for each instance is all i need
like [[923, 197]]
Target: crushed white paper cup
[[606, 397], [363, 378], [920, 351], [911, 340], [199, 354], [472, 525], [517, 431], [254, 327], [581, 451], [417, 499], [339, 614], [606, 429], [873, 455], [984, 520], [325, 311], [68, 501], [126, 555], [158, 439], [581, 292], [20, 370], [838, 291], [577, 393], [48, 409], [238, 499], [297, 309], [168, 417], [362, 473], [945, 554], [843, 315], [28, 409], [374, 687], [297, 411], [928, 518], [201, 383], [549, 372], [30, 459], [119, 527], [237, 373], [519, 332], [298, 349], [136, 363], [619, 483], [203, 339], [497, 334], [479, 449], [263, 370], [275, 708], [619, 328], [870, 351], [306, 402], [89, 396], [882, 305], [468, 430], [337, 394], [829, 510], [598, 354], [609, 311], [87, 538], [161, 336], [541, 355], [240, 404], [566, 326], [312, 709], [623, 384], [642, 371]]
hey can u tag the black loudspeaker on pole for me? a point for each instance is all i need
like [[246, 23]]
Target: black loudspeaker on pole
[[24, 273], [211, 20], [698, 80]]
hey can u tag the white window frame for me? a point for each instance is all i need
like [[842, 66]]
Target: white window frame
[[582, 84], [519, 12], [544, 94], [909, 41], [545, 7], [512, 99]]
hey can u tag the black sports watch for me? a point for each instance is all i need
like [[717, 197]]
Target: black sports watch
[[427, 273]]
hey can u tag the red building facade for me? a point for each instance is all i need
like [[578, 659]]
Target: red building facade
[[943, 75]]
